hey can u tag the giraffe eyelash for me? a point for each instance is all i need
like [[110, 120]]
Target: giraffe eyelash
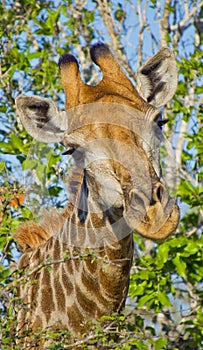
[[162, 122], [69, 151], [159, 121]]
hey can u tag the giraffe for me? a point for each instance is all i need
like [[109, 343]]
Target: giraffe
[[113, 131]]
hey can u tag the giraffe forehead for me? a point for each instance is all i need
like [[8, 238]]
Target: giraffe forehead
[[110, 121], [109, 112]]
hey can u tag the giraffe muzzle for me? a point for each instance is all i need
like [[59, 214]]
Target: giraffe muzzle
[[155, 219]]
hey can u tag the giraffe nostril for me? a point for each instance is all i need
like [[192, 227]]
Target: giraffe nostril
[[159, 193]]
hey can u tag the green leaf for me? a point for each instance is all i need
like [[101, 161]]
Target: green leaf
[[4, 273], [54, 190], [160, 343], [40, 171], [178, 242], [180, 265], [162, 255], [143, 300], [29, 164], [2, 165], [16, 143], [6, 148], [137, 289], [191, 248], [53, 159], [33, 55], [3, 240], [163, 299]]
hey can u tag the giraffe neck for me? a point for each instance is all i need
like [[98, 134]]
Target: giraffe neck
[[90, 260]]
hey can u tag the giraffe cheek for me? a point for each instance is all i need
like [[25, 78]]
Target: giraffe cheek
[[111, 194]]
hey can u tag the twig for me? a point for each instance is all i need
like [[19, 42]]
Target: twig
[[142, 19], [188, 16]]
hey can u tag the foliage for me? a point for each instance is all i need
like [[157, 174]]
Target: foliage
[[164, 309]]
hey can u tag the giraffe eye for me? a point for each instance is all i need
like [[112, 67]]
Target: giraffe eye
[[68, 151], [160, 122]]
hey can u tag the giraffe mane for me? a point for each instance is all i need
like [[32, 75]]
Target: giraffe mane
[[32, 235]]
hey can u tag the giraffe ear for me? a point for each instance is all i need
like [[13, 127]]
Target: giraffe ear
[[157, 79], [41, 118]]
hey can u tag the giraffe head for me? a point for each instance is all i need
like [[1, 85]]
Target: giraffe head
[[113, 130]]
